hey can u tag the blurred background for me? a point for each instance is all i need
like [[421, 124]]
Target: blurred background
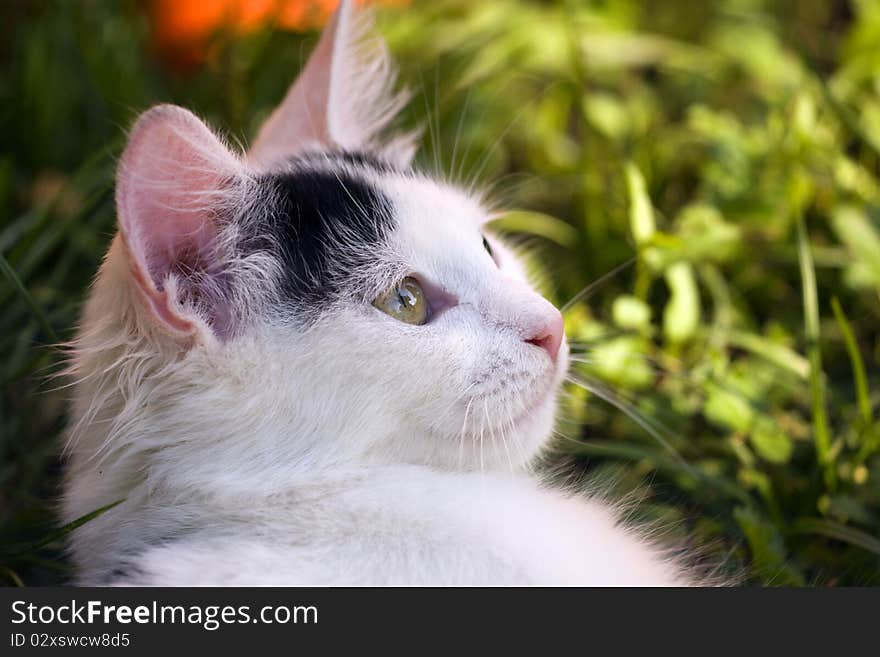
[[710, 170]]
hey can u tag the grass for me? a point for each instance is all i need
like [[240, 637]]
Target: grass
[[712, 174]]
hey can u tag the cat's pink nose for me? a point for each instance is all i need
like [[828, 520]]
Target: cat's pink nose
[[549, 334]]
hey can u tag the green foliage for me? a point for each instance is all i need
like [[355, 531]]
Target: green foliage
[[731, 148]]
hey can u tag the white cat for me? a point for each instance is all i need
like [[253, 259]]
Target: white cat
[[309, 365]]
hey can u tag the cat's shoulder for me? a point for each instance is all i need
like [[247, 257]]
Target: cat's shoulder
[[410, 525]]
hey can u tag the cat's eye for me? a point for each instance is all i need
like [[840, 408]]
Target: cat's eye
[[404, 301], [490, 251], [488, 248]]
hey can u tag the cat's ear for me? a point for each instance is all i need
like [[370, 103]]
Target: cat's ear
[[175, 182], [344, 97]]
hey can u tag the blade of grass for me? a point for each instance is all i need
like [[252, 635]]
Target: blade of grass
[[661, 460], [41, 247], [863, 397], [12, 575], [771, 351], [838, 532], [61, 532], [843, 113], [822, 435], [17, 285]]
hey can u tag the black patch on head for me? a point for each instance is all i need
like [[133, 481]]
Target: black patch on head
[[324, 225], [359, 159], [362, 159]]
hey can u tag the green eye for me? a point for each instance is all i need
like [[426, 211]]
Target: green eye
[[404, 301]]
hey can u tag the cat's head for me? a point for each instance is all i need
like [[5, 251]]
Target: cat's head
[[315, 299]]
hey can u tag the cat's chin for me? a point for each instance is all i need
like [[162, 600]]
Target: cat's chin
[[520, 437], [535, 406], [535, 422]]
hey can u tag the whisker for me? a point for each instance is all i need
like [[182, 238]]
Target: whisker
[[485, 159], [459, 176], [452, 165], [504, 444], [653, 427], [679, 371], [602, 337], [516, 443], [439, 156], [432, 133], [482, 428], [590, 288], [467, 410]]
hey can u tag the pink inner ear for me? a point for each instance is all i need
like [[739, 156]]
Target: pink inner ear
[[174, 177]]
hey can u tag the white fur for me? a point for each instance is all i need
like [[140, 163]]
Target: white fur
[[353, 450]]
